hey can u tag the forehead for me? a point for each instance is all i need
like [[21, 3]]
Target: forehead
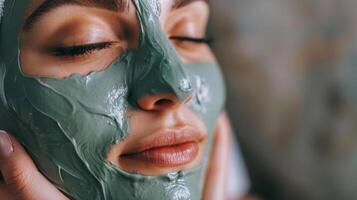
[[110, 4]]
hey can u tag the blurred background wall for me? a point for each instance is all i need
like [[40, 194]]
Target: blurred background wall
[[291, 72]]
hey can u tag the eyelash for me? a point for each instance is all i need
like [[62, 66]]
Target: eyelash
[[81, 50], [204, 40]]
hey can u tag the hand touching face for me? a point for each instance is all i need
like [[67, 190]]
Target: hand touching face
[[106, 94]]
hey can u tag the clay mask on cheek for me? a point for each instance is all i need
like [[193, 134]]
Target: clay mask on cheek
[[68, 125]]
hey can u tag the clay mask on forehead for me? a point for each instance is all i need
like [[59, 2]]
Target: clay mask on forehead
[[68, 125]]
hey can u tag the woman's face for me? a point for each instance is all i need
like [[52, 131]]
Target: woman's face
[[113, 99]]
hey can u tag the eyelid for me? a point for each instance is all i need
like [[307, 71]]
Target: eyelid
[[189, 21], [206, 40], [78, 50]]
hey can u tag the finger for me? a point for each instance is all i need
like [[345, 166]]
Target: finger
[[4, 192], [216, 176], [251, 197], [21, 175]]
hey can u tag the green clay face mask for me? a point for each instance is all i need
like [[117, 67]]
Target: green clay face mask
[[68, 125]]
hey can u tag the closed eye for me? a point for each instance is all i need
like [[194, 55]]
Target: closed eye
[[78, 50], [192, 39]]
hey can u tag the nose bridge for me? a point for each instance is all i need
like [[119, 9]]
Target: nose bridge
[[156, 65]]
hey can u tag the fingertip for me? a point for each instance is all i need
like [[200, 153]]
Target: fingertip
[[13, 157], [6, 145], [17, 149]]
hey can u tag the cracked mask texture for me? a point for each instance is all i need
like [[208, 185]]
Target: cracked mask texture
[[68, 125]]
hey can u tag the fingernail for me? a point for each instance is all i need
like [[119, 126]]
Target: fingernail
[[6, 148]]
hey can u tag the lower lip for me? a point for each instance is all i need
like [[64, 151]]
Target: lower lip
[[168, 156]]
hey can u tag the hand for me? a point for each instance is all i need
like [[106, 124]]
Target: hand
[[216, 176], [21, 179]]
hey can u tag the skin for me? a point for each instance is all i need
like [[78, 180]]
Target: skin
[[147, 112]]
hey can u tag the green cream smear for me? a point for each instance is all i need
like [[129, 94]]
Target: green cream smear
[[68, 125]]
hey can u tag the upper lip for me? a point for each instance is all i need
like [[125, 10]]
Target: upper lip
[[164, 138]]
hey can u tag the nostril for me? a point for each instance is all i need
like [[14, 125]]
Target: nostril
[[158, 102]]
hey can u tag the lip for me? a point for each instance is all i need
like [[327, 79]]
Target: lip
[[166, 148]]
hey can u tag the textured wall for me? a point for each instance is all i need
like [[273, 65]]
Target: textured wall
[[291, 69]]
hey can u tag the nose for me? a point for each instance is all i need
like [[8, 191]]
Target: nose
[[157, 78], [158, 102]]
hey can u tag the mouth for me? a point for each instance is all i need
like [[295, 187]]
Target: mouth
[[167, 148]]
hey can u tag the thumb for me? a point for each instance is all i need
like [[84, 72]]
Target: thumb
[[21, 175]]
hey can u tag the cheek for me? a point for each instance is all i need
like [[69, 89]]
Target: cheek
[[209, 96], [86, 112]]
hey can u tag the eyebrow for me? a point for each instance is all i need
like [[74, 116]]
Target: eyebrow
[[115, 5], [49, 5]]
